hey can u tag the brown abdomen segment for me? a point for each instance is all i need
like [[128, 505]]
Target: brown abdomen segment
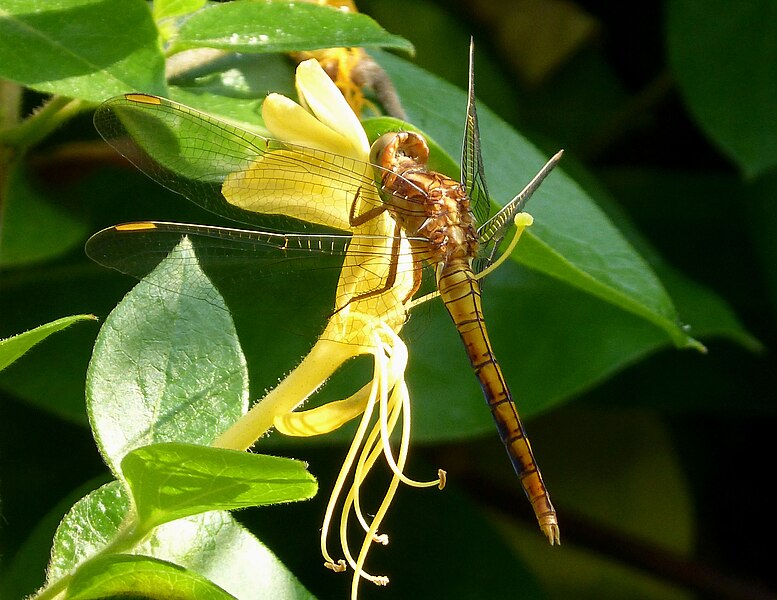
[[460, 292]]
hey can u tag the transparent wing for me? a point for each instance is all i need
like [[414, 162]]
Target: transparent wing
[[292, 277], [230, 171], [473, 176], [492, 232]]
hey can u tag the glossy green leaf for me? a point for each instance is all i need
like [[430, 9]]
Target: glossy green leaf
[[86, 49], [572, 239], [211, 544], [251, 26], [724, 67], [123, 574], [12, 348], [173, 480], [166, 366]]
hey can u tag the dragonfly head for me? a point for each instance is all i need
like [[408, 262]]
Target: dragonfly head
[[398, 151]]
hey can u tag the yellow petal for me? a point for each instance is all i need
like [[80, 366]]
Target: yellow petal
[[321, 95], [323, 419], [289, 122], [299, 184]]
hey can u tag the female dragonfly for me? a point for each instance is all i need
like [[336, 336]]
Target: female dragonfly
[[200, 157]]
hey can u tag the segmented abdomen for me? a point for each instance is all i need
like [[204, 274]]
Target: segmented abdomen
[[460, 292]]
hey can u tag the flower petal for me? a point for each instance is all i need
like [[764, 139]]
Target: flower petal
[[323, 419], [323, 98], [289, 122]]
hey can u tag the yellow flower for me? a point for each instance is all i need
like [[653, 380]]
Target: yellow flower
[[363, 322]]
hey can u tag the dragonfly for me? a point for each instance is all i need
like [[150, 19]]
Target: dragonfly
[[444, 221]]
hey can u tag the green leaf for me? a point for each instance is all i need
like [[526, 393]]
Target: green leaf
[[217, 547], [234, 87], [170, 481], [167, 9], [281, 27], [34, 229], [166, 366], [88, 527], [121, 574], [724, 66], [572, 239], [86, 49], [211, 544], [12, 348]]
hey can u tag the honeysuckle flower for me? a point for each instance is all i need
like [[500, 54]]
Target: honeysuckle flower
[[363, 322], [352, 69]]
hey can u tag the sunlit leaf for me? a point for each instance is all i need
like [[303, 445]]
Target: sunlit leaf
[[166, 366], [282, 27], [170, 481], [100, 53], [122, 574], [14, 347]]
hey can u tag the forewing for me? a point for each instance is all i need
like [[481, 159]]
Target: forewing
[[194, 154], [473, 176], [290, 278]]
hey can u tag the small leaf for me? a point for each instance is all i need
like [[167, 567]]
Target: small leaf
[[167, 366], [170, 481], [281, 27], [88, 527], [125, 574], [724, 67], [212, 544], [12, 348], [86, 49]]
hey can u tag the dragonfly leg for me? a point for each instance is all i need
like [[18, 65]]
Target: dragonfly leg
[[391, 276], [355, 220]]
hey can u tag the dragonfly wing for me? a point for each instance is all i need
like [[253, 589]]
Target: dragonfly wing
[[230, 171], [294, 275], [473, 176], [492, 232]]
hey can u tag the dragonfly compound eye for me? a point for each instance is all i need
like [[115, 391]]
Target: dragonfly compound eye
[[397, 151], [383, 148]]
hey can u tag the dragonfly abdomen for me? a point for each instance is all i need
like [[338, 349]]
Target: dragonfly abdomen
[[460, 292]]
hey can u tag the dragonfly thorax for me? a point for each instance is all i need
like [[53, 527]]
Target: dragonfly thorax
[[425, 203]]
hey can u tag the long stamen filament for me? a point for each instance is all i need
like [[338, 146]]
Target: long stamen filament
[[348, 462]]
